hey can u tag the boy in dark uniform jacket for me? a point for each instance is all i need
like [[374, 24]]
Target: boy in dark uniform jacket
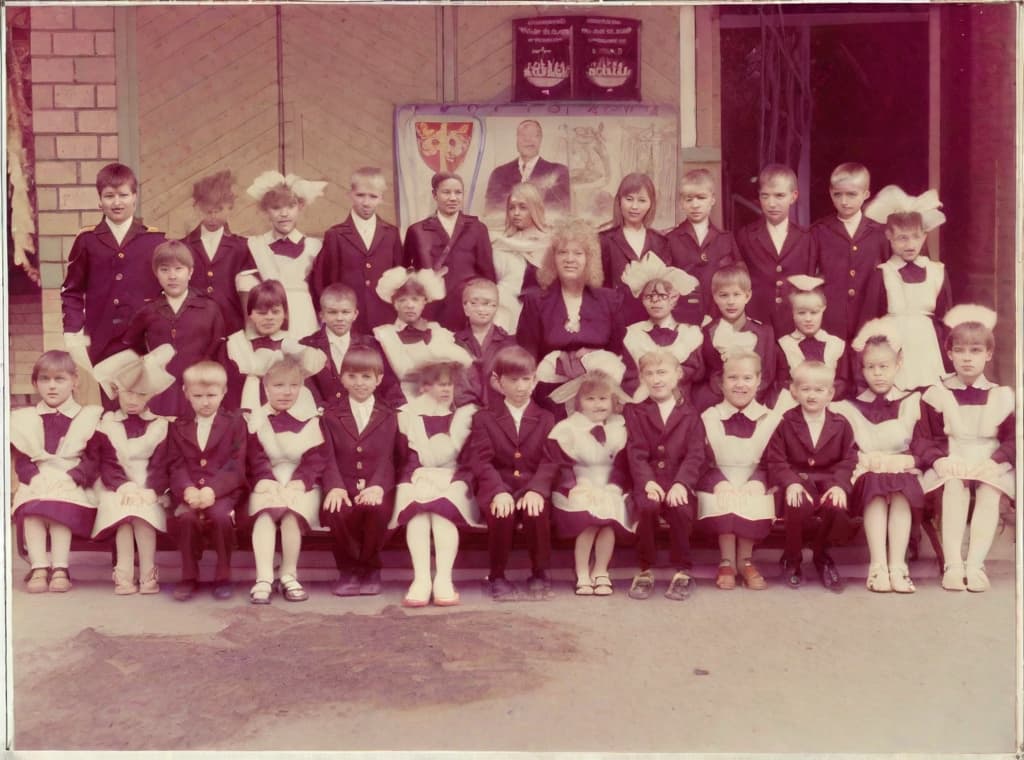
[[339, 314], [218, 254], [359, 480], [849, 248], [773, 248], [189, 321], [698, 247], [206, 460], [359, 250], [110, 272], [505, 452], [810, 459], [735, 331], [482, 339], [666, 454]]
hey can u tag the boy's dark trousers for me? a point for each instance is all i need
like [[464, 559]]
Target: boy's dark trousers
[[500, 531], [359, 533], [680, 524], [826, 525], [189, 527]]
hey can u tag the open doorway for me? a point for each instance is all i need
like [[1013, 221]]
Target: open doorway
[[853, 87]]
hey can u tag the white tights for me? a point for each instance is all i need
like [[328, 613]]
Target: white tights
[[727, 548], [128, 535], [892, 520], [602, 541], [955, 502], [263, 533], [446, 545], [35, 542]]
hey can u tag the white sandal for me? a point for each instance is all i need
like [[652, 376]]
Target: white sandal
[[291, 589], [260, 592], [878, 579], [899, 577]]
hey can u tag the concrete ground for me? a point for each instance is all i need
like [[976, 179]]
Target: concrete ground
[[776, 672]]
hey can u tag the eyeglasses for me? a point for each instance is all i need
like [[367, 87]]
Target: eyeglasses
[[656, 297]]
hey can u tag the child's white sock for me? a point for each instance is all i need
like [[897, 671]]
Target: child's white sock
[[604, 545], [581, 553], [446, 546], [263, 536], [417, 538], [124, 540], [874, 530], [145, 538], [291, 545], [955, 499], [60, 544], [899, 532], [983, 525], [35, 541]]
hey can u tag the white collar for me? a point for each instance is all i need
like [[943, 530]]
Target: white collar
[[338, 340], [893, 394], [448, 222], [69, 408], [669, 323], [817, 419], [820, 335], [699, 227], [251, 334], [120, 415], [120, 229], [899, 262], [175, 302], [517, 412], [782, 228], [206, 234], [365, 406], [364, 224], [853, 222], [294, 236], [425, 405], [304, 409], [953, 382], [753, 411]]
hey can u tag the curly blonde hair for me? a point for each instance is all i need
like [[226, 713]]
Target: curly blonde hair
[[573, 230]]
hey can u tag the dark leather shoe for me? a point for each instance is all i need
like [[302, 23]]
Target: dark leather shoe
[[502, 590], [792, 573], [223, 590], [348, 585], [538, 586], [183, 590], [370, 584], [830, 577]]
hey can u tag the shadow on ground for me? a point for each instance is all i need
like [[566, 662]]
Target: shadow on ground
[[185, 691]]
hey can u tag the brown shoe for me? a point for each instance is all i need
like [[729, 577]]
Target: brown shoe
[[60, 581], [37, 580], [752, 578], [726, 579]]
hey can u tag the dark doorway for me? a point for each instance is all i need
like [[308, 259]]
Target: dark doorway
[[866, 74]]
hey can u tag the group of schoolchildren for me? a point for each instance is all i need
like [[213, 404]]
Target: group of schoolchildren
[[282, 384]]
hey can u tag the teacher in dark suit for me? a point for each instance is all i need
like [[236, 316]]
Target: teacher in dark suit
[[550, 178]]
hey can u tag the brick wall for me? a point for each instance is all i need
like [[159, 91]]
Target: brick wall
[[74, 98]]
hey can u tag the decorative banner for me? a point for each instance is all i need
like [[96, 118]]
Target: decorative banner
[[583, 152], [543, 60], [576, 58], [607, 59], [443, 145]]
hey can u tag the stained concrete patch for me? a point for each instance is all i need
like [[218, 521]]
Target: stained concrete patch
[[129, 692]]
